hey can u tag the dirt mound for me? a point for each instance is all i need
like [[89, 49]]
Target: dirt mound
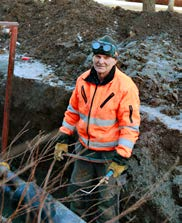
[[51, 31]]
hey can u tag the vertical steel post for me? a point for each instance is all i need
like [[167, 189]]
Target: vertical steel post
[[13, 26]]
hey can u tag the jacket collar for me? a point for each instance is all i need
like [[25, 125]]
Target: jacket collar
[[93, 78]]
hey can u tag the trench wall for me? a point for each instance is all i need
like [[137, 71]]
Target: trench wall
[[152, 176]]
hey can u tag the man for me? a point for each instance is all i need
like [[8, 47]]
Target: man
[[104, 109]]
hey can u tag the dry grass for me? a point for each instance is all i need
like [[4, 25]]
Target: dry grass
[[32, 156]]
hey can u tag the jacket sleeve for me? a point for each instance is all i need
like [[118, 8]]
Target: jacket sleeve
[[129, 121], [71, 116]]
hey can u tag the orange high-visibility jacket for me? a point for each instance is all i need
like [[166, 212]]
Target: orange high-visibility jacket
[[106, 116]]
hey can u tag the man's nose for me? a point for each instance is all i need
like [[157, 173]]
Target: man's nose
[[101, 60]]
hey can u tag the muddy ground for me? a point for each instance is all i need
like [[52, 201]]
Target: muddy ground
[[59, 34]]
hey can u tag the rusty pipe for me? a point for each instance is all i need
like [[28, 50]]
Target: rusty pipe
[[14, 32]]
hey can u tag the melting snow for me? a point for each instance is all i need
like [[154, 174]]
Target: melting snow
[[31, 69], [154, 113]]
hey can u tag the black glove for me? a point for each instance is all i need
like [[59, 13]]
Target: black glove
[[120, 160], [63, 138]]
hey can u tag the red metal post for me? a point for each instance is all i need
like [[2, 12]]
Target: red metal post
[[13, 26]]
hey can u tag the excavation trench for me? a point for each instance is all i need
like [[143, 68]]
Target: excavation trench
[[36, 113]]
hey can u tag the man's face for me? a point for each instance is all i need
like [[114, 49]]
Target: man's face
[[103, 64]]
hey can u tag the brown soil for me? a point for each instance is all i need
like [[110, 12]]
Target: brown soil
[[50, 31]]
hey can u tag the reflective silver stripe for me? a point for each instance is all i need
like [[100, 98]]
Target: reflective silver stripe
[[126, 142], [71, 109], [68, 126], [100, 144], [84, 118], [135, 128], [97, 121]]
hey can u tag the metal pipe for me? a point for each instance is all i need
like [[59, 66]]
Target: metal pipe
[[87, 158], [14, 31], [32, 196]]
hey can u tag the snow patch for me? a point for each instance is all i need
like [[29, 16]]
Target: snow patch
[[32, 69], [154, 113]]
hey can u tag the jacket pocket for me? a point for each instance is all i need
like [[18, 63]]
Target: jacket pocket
[[131, 113], [83, 94], [106, 100]]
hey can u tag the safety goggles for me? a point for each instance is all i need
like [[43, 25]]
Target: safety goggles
[[99, 47]]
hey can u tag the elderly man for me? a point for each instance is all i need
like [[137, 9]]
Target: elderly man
[[104, 110]]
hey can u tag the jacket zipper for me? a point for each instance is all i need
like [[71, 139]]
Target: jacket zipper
[[89, 116], [131, 113], [107, 99]]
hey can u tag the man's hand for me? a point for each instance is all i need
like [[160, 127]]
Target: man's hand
[[60, 148], [117, 169]]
